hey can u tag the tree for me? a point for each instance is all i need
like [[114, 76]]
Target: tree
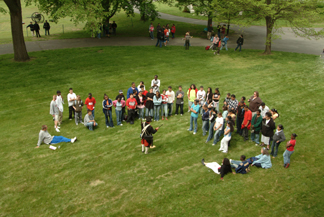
[[299, 14], [18, 41]]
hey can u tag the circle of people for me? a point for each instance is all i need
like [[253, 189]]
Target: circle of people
[[255, 117]]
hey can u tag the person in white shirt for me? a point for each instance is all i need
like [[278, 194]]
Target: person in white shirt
[[71, 97], [155, 84], [171, 97], [264, 109], [201, 97], [139, 86], [218, 127], [59, 102], [54, 111]]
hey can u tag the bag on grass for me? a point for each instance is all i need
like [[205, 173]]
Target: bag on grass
[[207, 47]]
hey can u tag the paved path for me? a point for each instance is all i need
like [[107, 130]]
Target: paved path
[[254, 39]]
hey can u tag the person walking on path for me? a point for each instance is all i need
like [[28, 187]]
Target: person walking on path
[[114, 27], [160, 38], [45, 137], [47, 27], [31, 28], [173, 30], [239, 42], [151, 31], [187, 38], [210, 31], [36, 27], [224, 42], [71, 97]]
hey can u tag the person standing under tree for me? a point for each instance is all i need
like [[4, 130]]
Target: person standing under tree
[[36, 27], [151, 31], [210, 31], [31, 28], [224, 42], [47, 27], [71, 97], [239, 42], [146, 135], [114, 27], [187, 38]]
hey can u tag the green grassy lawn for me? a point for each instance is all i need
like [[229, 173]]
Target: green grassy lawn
[[105, 173], [127, 26], [173, 10]]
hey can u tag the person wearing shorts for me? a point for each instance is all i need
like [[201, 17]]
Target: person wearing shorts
[[267, 128]]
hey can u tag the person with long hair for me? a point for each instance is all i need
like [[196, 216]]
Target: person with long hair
[[218, 126], [223, 169], [164, 106], [140, 105], [227, 137], [209, 94], [192, 95], [274, 114]]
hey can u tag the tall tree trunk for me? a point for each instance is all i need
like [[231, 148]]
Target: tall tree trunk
[[269, 26], [210, 21], [18, 41]]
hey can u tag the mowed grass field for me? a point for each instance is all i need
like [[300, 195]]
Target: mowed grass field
[[105, 173]]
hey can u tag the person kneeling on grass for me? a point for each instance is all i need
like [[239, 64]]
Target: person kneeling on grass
[[290, 150], [146, 135], [263, 160], [45, 137], [223, 170], [89, 121]]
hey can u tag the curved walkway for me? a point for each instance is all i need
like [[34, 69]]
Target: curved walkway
[[254, 38]]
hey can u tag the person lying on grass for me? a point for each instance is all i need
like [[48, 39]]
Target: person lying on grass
[[45, 137], [223, 170]]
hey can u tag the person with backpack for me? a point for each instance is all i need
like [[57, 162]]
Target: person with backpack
[[224, 42], [239, 42], [173, 30], [160, 38], [31, 28], [47, 27]]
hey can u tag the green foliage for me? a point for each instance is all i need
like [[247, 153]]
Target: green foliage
[[2, 10], [105, 173]]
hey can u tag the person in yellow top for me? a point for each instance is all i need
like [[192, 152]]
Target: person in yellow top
[[192, 95]]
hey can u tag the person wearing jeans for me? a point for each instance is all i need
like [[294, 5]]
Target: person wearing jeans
[[239, 42], [218, 126], [164, 105], [45, 137], [91, 102], [212, 118], [89, 121], [107, 110], [205, 120], [119, 105], [77, 106], [224, 41], [151, 30], [256, 127], [140, 105], [179, 103], [157, 100], [278, 138], [171, 98], [194, 115], [290, 150]]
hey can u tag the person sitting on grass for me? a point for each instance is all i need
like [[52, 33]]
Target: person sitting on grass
[[242, 166], [267, 128], [222, 170], [290, 150], [263, 160], [89, 121], [45, 137], [278, 138]]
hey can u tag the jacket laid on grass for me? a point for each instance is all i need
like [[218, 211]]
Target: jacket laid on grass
[[264, 160]]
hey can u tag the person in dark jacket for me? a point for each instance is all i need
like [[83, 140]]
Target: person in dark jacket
[[210, 31], [239, 42], [205, 120], [160, 38], [31, 27], [107, 110], [47, 27], [114, 27], [278, 138], [149, 103], [146, 135], [36, 27], [255, 103], [268, 125], [223, 170], [240, 117]]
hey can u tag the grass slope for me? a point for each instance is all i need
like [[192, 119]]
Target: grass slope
[[105, 174]]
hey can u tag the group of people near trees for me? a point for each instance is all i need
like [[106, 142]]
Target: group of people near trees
[[163, 33], [34, 27]]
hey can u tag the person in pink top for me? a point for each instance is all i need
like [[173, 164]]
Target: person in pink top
[[290, 150], [140, 104], [164, 106]]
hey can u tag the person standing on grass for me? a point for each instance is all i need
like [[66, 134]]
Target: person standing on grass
[[246, 125], [89, 121], [209, 94], [264, 109], [151, 31], [155, 84], [171, 97], [131, 104], [47, 27], [218, 45], [119, 104], [255, 102], [192, 95], [149, 103], [122, 98], [227, 137], [256, 127], [157, 101], [90, 103], [224, 42], [173, 30], [194, 116], [130, 90], [218, 126], [233, 103], [164, 105], [201, 97], [263, 160], [59, 103], [274, 114], [212, 118], [139, 86], [78, 106], [71, 97], [227, 99], [267, 127], [205, 119], [31, 28], [216, 97], [54, 111], [240, 117], [278, 138], [147, 135], [140, 104], [290, 150], [107, 110], [179, 103], [210, 31], [37, 28], [160, 38], [45, 137], [215, 42], [114, 27], [239, 42]]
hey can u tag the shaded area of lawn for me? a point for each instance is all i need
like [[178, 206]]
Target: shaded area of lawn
[[105, 173]]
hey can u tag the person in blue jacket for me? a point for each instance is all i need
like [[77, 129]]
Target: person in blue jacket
[[131, 90], [263, 160], [107, 110], [224, 42]]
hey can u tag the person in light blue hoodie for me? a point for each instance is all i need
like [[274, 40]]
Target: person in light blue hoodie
[[157, 100], [263, 160], [224, 42]]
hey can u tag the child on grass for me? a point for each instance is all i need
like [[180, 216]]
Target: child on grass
[[222, 170], [290, 150]]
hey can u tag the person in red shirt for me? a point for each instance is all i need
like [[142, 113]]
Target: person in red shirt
[[91, 102], [290, 150], [166, 36], [246, 123], [173, 30], [131, 104]]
